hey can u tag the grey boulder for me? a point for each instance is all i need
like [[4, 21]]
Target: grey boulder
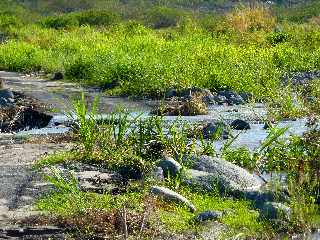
[[170, 166], [170, 93], [99, 182], [6, 102], [232, 98], [213, 130], [157, 174], [210, 172], [239, 124], [274, 210], [220, 100], [170, 195], [57, 76]]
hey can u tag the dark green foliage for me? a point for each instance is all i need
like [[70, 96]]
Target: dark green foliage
[[90, 17], [300, 12], [59, 22], [162, 17], [277, 37], [80, 69]]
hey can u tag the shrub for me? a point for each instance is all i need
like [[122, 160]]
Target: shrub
[[58, 22], [162, 17], [92, 18], [97, 18], [251, 19], [8, 21], [80, 69], [277, 37], [16, 56]]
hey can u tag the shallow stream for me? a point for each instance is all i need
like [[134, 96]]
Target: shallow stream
[[58, 95]]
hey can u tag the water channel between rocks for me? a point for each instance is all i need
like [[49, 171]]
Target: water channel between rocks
[[58, 95]]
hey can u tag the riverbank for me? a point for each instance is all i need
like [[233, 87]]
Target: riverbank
[[120, 167]]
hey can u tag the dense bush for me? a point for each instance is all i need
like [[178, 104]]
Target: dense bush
[[161, 17], [59, 22], [277, 37], [92, 18]]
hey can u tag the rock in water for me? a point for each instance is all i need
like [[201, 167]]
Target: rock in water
[[210, 172], [232, 97], [2, 83], [170, 93], [215, 130], [57, 76], [170, 166], [170, 195], [239, 124]]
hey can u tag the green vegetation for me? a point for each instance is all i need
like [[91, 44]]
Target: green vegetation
[[143, 48], [133, 146], [248, 49]]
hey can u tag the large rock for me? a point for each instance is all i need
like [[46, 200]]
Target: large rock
[[189, 92], [274, 210], [170, 195], [239, 124], [211, 130], [182, 107], [6, 102], [170, 93], [57, 76], [211, 172], [170, 166], [21, 118], [157, 174], [99, 182], [220, 100], [301, 78], [232, 97]]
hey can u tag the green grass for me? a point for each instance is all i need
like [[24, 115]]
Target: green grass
[[239, 216], [56, 158]]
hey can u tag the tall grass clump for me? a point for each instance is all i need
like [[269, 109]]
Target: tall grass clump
[[86, 127]]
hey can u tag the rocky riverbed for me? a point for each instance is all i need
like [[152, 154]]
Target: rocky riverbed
[[20, 184]]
